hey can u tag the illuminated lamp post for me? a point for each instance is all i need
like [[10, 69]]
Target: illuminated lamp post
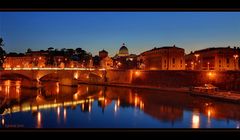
[[208, 65], [192, 65], [235, 62], [211, 76], [197, 55]]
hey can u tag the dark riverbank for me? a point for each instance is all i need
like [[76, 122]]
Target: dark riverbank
[[181, 90], [232, 97]]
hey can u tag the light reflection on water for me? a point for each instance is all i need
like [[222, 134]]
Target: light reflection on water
[[88, 106]]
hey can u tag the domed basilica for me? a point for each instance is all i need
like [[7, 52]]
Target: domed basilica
[[123, 51]]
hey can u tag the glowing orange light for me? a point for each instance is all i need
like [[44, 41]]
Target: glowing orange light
[[39, 119], [209, 113], [136, 101], [115, 108], [197, 55], [57, 87], [58, 111], [76, 75], [64, 114], [141, 105], [7, 87], [3, 121], [235, 56], [211, 74], [82, 106], [195, 121], [75, 96], [89, 108], [118, 102], [137, 73]]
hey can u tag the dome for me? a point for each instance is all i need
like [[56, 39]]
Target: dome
[[123, 51]]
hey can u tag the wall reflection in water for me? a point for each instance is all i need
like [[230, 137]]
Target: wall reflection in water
[[195, 119], [162, 106]]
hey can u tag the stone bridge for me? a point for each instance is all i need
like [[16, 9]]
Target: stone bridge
[[64, 77]]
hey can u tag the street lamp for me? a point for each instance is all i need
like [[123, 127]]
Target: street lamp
[[197, 55], [235, 58], [208, 65], [192, 65]]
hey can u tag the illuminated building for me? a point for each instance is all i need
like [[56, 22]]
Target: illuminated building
[[105, 61], [163, 58], [124, 60], [123, 51], [103, 54], [28, 60], [221, 58], [18, 61]]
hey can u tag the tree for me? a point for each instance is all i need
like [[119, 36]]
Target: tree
[[2, 53], [96, 61], [50, 48], [29, 50], [1, 42], [79, 50]]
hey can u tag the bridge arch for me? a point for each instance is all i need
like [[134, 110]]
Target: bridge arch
[[15, 75]]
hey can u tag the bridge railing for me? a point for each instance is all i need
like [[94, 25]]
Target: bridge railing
[[53, 69]]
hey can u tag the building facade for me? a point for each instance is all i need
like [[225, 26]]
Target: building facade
[[124, 60], [103, 54], [163, 58], [106, 63], [24, 62], [220, 58]]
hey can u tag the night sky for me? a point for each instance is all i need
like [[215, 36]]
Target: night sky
[[141, 31]]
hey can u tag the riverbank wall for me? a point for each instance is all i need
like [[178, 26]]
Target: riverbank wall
[[226, 80]]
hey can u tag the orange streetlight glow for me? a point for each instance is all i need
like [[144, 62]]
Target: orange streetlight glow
[[137, 73], [195, 121], [76, 75], [3, 121], [39, 119], [197, 55], [211, 74], [235, 56]]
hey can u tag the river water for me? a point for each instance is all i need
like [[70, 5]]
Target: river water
[[91, 106]]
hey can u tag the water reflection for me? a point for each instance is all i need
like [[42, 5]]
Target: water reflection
[[161, 106], [64, 114], [195, 119], [3, 122], [58, 114], [39, 119]]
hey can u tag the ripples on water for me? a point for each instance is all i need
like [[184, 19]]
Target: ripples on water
[[88, 106]]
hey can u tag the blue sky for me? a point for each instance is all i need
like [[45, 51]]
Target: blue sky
[[141, 31]]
